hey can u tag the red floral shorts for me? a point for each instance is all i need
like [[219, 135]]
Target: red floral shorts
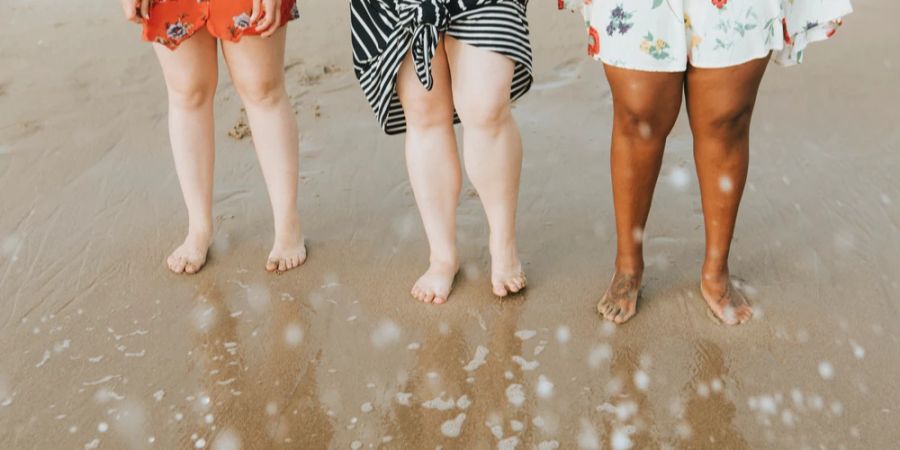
[[173, 21]]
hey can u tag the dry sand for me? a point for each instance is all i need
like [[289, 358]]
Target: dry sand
[[103, 348]]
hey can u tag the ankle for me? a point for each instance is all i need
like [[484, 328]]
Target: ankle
[[204, 231], [288, 225], [714, 276], [629, 266], [444, 261]]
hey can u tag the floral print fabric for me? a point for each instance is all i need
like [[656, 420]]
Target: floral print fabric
[[173, 21], [666, 35]]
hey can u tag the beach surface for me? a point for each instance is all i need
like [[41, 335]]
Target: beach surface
[[102, 348]]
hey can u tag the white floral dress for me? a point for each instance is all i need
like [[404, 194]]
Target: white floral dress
[[666, 35]]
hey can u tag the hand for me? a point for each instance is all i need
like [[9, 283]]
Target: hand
[[267, 16], [136, 10]]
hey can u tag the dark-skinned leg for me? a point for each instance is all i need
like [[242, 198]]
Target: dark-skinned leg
[[720, 105], [645, 107]]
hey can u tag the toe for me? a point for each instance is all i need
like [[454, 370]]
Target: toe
[[440, 299], [500, 290], [428, 297], [624, 315], [282, 265], [512, 286], [190, 268], [605, 308], [744, 315], [613, 312], [522, 282], [271, 265], [178, 265]]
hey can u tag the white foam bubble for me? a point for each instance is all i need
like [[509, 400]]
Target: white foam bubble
[[725, 184], [203, 316], [679, 178], [599, 355], [587, 438], [826, 370], [525, 335], [524, 364], [228, 439], [544, 387], [548, 445], [509, 443], [293, 334], [641, 380], [645, 130], [439, 403], [452, 428], [478, 360], [620, 440], [403, 398], [563, 334], [515, 395], [385, 334]]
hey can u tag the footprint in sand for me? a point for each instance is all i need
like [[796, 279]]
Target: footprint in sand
[[241, 129]]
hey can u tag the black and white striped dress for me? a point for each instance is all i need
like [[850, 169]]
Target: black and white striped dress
[[384, 31]]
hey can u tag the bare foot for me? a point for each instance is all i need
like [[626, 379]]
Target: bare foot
[[507, 276], [434, 285], [190, 256], [724, 300], [619, 303], [289, 250]]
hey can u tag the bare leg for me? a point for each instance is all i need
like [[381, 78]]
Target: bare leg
[[434, 172], [257, 68], [645, 107], [493, 151], [720, 104], [191, 75]]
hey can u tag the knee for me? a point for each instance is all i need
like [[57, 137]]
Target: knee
[[484, 112], [260, 91], [426, 113], [646, 122], [192, 94], [726, 124]]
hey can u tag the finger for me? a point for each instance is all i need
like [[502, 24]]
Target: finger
[[276, 23], [129, 12], [145, 9], [254, 14], [268, 16]]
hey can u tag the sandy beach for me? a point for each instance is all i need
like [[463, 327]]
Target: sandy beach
[[102, 348]]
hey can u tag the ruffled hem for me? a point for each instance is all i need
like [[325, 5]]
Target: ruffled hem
[[811, 29], [791, 28], [290, 12]]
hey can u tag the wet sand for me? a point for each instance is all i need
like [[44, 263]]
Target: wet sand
[[103, 348]]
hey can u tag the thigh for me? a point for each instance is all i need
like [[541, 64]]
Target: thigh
[[723, 96], [192, 65], [256, 61], [643, 97], [422, 106], [482, 79]]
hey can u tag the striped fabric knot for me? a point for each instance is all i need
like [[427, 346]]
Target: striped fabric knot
[[425, 20]]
